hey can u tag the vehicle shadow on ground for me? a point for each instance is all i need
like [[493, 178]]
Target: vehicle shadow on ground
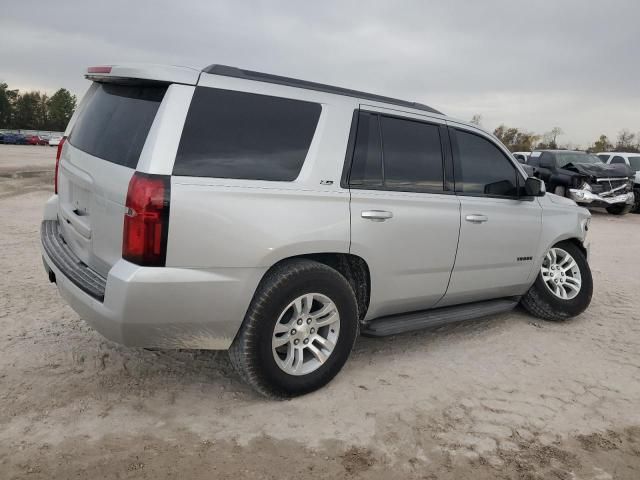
[[187, 368]]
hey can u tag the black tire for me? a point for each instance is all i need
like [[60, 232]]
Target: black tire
[[251, 352], [636, 202], [540, 302], [622, 209]]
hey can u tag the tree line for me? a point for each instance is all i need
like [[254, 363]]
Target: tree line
[[35, 110], [518, 140]]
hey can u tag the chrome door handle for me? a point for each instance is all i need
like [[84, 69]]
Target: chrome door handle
[[376, 215], [476, 218]]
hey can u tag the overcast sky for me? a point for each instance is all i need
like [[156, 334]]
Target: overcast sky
[[529, 64]]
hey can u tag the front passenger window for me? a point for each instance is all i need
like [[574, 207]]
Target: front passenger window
[[483, 169]]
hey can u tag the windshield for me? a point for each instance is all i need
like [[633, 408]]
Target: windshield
[[565, 158]]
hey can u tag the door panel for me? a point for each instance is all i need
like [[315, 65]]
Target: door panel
[[500, 225], [411, 254], [495, 256]]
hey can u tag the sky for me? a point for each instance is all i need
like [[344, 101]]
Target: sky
[[527, 64]]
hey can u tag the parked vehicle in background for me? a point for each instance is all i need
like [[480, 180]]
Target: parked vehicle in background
[[584, 178], [633, 161], [2, 137], [54, 141], [230, 209], [14, 139], [522, 157], [34, 140]]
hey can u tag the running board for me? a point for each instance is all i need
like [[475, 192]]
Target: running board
[[407, 322]]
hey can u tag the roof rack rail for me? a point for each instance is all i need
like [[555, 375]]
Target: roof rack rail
[[235, 72]]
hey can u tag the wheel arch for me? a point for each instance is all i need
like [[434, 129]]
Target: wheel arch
[[354, 268]]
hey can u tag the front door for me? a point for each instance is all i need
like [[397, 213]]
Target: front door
[[404, 222], [500, 225]]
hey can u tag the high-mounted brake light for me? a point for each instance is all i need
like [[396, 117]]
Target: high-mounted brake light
[[58, 153], [100, 69], [146, 220]]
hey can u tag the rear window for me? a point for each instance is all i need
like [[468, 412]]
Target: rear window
[[115, 122], [230, 134]]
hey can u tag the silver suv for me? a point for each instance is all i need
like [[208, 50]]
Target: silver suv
[[279, 218]]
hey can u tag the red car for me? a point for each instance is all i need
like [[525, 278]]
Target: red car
[[35, 140]]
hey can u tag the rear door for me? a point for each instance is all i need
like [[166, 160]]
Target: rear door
[[500, 226], [405, 219], [97, 162]]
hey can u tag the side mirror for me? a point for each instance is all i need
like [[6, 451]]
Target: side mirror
[[535, 187]]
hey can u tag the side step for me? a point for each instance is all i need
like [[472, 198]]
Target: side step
[[407, 322]]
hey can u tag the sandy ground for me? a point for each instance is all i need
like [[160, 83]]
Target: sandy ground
[[506, 397]]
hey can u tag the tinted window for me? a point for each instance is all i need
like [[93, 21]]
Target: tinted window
[[483, 168], [546, 160], [634, 163], [617, 160], [412, 154], [604, 158], [366, 169], [534, 159], [230, 134], [115, 122]]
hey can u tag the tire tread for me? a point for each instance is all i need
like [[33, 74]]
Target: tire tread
[[242, 351]]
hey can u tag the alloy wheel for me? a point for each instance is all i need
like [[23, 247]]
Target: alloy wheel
[[305, 334], [561, 274]]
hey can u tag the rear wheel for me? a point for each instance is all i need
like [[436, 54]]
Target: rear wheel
[[299, 330], [621, 209], [564, 285]]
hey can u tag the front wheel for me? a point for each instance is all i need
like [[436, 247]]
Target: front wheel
[[299, 330], [564, 285], [620, 209]]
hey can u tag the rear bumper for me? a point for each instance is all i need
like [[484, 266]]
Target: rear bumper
[[161, 307]]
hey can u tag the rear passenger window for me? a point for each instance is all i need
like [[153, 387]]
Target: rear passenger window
[[396, 154], [366, 170], [483, 168], [617, 160], [229, 134], [412, 155]]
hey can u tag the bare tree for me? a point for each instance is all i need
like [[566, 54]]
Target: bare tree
[[555, 132], [625, 140], [477, 119]]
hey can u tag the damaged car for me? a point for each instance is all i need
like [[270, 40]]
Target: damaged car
[[584, 178]]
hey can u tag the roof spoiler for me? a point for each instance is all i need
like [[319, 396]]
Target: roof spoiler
[[130, 74]]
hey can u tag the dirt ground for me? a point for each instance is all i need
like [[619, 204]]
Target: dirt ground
[[510, 396]]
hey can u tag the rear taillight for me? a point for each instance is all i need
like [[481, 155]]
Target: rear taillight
[[58, 153], [146, 220]]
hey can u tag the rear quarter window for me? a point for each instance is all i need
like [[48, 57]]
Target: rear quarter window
[[229, 134], [115, 122]]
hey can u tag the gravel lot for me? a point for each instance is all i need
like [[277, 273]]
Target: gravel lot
[[506, 397]]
